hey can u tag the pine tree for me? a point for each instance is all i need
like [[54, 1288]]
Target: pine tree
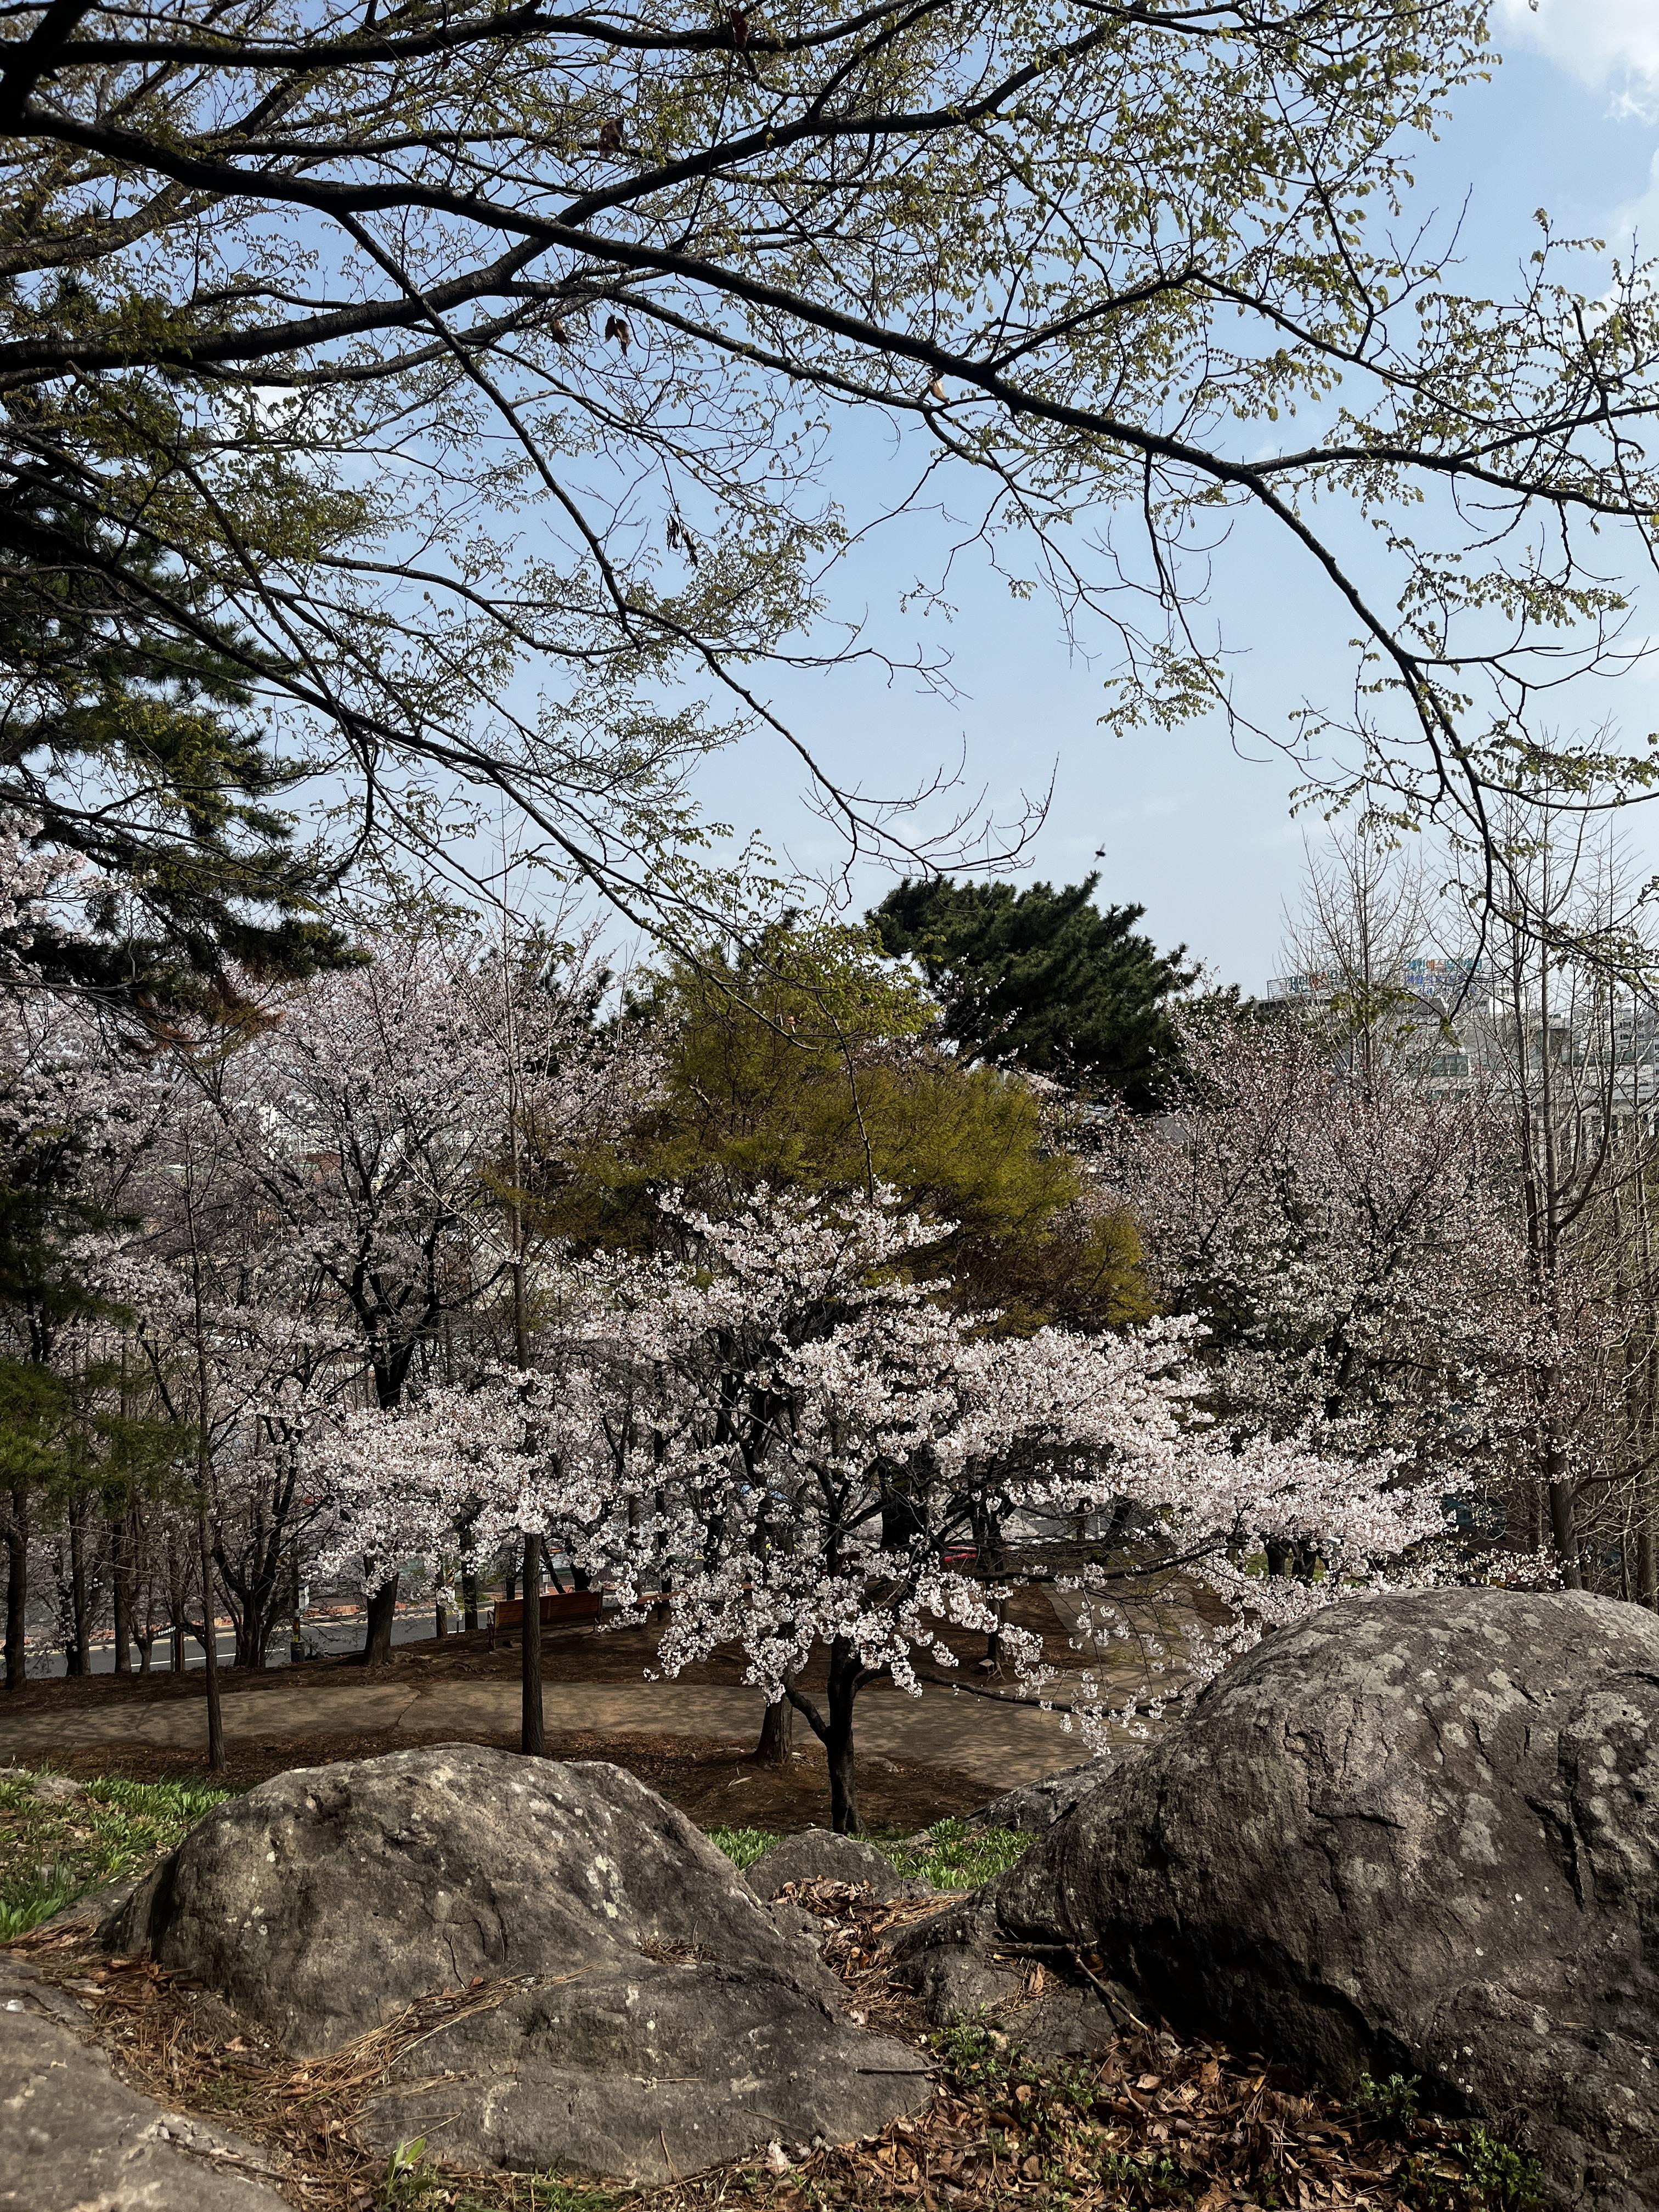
[[1044, 979], [133, 743]]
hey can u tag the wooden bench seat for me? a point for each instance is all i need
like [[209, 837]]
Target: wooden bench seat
[[558, 1609]]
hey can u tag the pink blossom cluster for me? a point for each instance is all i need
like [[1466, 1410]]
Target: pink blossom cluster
[[790, 1440]]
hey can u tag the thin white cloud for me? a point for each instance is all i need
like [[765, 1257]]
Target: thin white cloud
[[1601, 42]]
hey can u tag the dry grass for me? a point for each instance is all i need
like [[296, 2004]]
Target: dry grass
[[183, 2046]]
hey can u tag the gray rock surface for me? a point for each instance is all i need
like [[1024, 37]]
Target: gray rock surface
[[667, 2020], [56, 1788], [95, 1906], [1035, 1807], [73, 2138], [1418, 1834], [820, 1855], [648, 2074]]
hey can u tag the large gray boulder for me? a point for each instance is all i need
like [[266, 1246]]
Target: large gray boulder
[[664, 2021], [1419, 1834], [1033, 1808]]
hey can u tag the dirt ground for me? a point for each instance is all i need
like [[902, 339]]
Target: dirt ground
[[715, 1784], [585, 1655]]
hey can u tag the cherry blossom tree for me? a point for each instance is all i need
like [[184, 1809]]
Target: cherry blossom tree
[[1349, 1239], [794, 1437], [373, 1116], [79, 1115]]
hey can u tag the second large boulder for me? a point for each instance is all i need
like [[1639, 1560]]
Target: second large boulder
[[1416, 1835], [664, 2021]]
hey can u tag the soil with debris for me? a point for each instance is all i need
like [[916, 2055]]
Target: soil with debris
[[568, 1654], [1152, 2122], [718, 1785]]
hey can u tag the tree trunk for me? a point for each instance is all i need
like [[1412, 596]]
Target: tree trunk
[[847, 1677], [776, 1727], [17, 1591], [382, 1611], [120, 1591], [469, 1598], [78, 1660], [843, 1774], [532, 1735], [442, 1614], [176, 1605], [211, 1647], [1564, 1533]]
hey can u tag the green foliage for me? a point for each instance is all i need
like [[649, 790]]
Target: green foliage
[[1501, 2178], [51, 1852], [1044, 979], [1046, 2114], [1495, 2176], [409, 2182], [743, 1846], [955, 1857], [1393, 2100], [807, 1062], [131, 733]]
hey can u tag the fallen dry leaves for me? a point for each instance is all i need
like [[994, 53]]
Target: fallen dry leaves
[[1151, 2122]]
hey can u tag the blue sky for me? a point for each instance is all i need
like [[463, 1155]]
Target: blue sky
[[1197, 833]]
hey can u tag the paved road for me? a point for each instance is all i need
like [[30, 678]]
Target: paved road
[[997, 1745]]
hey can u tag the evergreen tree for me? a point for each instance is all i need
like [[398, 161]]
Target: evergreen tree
[[133, 749], [1044, 979], [805, 1063]]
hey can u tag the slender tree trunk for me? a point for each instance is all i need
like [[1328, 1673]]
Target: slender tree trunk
[[1564, 1532], [203, 1494], [847, 1678], [469, 1598], [296, 1649], [532, 1735], [79, 1658], [210, 1644], [843, 1771], [120, 1590], [17, 1590], [442, 1614], [176, 1605], [776, 1727], [382, 1611]]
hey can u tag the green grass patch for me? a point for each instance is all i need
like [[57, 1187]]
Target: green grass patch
[[956, 1856], [953, 1856], [53, 1850], [743, 1846], [412, 2184]]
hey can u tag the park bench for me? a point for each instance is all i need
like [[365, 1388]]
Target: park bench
[[559, 1608]]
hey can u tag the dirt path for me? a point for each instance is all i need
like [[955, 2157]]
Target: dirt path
[[999, 1746]]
